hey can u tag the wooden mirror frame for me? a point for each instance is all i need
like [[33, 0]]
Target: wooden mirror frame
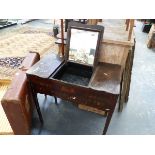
[[79, 26]]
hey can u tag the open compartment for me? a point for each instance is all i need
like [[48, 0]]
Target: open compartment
[[74, 73], [81, 55]]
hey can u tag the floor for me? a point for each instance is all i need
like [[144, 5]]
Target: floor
[[138, 114], [48, 24]]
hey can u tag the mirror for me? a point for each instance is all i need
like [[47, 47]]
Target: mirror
[[83, 44]]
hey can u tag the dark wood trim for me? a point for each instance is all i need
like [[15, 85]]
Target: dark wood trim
[[95, 28]]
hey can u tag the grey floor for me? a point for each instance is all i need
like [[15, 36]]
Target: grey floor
[[137, 117]]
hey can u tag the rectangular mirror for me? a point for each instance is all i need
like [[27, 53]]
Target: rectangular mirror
[[83, 43], [83, 46]]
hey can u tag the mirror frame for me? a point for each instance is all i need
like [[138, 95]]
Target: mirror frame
[[79, 26]]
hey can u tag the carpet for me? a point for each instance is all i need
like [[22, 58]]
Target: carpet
[[5, 128], [8, 67], [18, 42], [21, 41]]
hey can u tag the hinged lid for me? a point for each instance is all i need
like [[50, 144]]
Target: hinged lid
[[83, 43]]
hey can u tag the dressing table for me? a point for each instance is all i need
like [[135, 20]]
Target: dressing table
[[99, 85]]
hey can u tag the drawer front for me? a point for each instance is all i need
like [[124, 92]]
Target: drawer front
[[74, 93]]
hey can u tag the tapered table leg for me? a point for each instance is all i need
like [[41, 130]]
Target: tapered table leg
[[55, 100], [45, 96], [34, 96], [110, 113]]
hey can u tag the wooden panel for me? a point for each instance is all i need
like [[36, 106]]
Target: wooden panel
[[93, 21], [17, 105], [107, 77], [131, 29], [115, 54], [73, 93], [127, 24], [91, 109], [119, 42], [149, 38]]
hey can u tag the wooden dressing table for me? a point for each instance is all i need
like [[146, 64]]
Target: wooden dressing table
[[51, 74]]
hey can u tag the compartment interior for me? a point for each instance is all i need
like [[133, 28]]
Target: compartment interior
[[74, 73]]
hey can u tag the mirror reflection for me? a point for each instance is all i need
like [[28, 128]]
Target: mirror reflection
[[83, 46]]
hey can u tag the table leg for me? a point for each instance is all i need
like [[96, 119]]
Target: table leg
[[45, 96], [34, 96], [110, 113], [120, 107], [55, 100]]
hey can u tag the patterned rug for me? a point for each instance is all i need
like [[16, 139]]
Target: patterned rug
[[8, 67], [15, 44], [26, 39], [12, 62]]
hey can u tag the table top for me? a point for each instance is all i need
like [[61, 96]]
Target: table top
[[46, 66], [106, 77]]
